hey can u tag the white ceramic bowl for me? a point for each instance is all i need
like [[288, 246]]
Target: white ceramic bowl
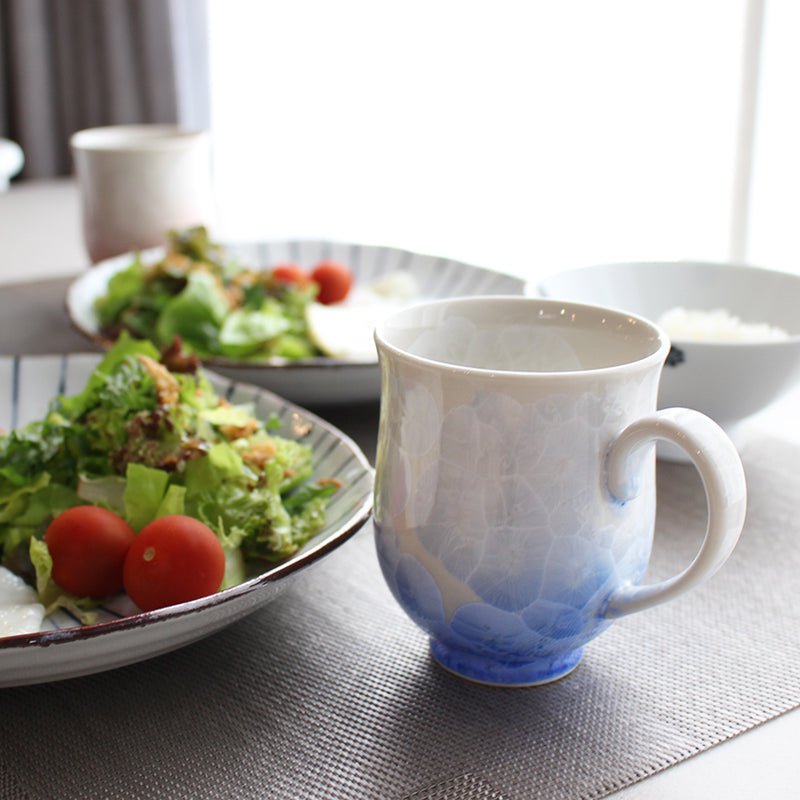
[[729, 381]]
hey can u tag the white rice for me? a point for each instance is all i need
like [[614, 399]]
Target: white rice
[[718, 325]]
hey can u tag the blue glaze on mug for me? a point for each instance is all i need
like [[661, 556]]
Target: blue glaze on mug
[[486, 642]]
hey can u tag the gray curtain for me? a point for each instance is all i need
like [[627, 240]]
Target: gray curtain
[[72, 64]]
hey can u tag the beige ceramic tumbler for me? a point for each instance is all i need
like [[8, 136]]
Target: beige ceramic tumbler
[[137, 182]]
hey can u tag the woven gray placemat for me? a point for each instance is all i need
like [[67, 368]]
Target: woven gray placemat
[[329, 692]]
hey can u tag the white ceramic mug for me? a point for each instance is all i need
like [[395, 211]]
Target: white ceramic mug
[[137, 182], [515, 478]]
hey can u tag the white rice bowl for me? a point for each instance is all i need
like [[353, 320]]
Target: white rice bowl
[[735, 329]]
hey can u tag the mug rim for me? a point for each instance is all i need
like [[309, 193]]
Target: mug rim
[[658, 355], [134, 138]]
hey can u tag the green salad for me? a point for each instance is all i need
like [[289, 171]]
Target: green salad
[[146, 438], [216, 307]]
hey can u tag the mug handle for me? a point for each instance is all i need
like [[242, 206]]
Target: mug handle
[[720, 468]]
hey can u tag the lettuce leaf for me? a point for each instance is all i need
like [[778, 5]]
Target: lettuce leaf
[[195, 315], [244, 332], [123, 287], [144, 493]]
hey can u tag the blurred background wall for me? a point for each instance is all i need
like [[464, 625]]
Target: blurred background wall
[[525, 135]]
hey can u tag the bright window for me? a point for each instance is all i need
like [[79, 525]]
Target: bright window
[[774, 209], [525, 136]]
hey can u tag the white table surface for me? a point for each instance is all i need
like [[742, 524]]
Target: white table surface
[[40, 238]]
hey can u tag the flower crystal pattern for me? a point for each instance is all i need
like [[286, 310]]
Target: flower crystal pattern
[[496, 537], [515, 478]]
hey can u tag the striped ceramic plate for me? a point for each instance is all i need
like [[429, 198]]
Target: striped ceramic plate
[[315, 381], [123, 635]]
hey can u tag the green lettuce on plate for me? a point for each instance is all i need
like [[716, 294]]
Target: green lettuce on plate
[[146, 442], [217, 308]]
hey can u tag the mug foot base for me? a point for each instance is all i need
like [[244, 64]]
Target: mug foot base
[[505, 673]]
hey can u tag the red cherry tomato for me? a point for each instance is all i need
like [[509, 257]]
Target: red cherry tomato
[[291, 273], [88, 546], [172, 560], [334, 280]]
